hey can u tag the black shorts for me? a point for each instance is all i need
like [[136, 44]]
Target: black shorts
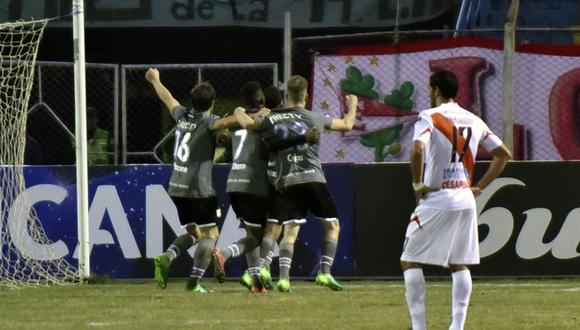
[[199, 211], [250, 209], [313, 197], [276, 206]]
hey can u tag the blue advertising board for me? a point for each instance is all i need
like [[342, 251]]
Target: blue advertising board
[[132, 219]]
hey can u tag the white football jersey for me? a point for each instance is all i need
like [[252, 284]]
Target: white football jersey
[[451, 135]]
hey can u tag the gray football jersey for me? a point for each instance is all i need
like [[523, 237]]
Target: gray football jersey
[[300, 163], [193, 154], [248, 173]]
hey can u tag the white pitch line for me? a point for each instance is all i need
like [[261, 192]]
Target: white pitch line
[[101, 324]]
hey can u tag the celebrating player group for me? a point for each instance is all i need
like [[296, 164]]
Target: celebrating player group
[[276, 178]]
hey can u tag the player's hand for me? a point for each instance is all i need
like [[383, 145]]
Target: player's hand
[[239, 110], [351, 101], [312, 135], [152, 75], [263, 112], [420, 193], [476, 191]]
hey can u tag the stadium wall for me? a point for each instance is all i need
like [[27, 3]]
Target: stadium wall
[[529, 219]]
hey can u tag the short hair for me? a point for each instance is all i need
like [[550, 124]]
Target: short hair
[[296, 88], [446, 82], [92, 112], [202, 97], [273, 97], [252, 95]]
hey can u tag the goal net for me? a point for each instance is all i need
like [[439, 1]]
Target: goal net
[[28, 256]]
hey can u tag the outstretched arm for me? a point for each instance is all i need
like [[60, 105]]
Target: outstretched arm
[[501, 155], [163, 93], [346, 123]]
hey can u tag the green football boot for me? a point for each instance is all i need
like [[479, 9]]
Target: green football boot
[[246, 280], [266, 278], [161, 270], [284, 286], [328, 281], [199, 288]]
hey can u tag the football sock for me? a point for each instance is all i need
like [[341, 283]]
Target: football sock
[[286, 251], [460, 292], [240, 247], [415, 294], [327, 258], [201, 258], [266, 251], [181, 243]]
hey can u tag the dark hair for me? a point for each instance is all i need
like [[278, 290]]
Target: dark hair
[[296, 88], [252, 95], [202, 97], [273, 97], [446, 82], [92, 112]]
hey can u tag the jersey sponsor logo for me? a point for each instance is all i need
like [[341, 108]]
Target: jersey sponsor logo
[[179, 168], [186, 126], [455, 173], [455, 184], [294, 158], [283, 116], [238, 166], [312, 171]]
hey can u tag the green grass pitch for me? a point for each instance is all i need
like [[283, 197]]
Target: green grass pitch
[[495, 304]]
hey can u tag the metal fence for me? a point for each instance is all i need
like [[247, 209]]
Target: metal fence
[[148, 128], [139, 128], [51, 116]]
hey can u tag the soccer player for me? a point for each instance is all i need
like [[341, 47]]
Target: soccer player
[[443, 228], [301, 179], [247, 188], [190, 185]]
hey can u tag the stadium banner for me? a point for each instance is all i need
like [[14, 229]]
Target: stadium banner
[[132, 219], [391, 83], [213, 13], [529, 219]]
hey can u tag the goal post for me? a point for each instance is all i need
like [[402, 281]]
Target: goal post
[[81, 140], [27, 255]]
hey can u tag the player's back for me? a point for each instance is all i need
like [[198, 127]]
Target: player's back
[[299, 163], [450, 151], [193, 154], [248, 172]]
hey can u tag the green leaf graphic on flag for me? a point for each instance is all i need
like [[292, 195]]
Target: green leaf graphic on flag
[[381, 139], [359, 85], [401, 97]]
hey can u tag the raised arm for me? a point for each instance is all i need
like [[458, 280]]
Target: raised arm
[[346, 123], [163, 93], [501, 155]]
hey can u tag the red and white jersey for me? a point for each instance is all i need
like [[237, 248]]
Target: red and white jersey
[[451, 135]]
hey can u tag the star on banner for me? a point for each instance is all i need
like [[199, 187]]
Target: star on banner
[[324, 106], [374, 60], [340, 154], [331, 67], [327, 82], [348, 59]]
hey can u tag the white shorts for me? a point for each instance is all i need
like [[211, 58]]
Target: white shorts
[[442, 237]]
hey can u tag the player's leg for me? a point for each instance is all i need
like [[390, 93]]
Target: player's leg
[[322, 205], [428, 240], [180, 244], [464, 251], [415, 293], [206, 215], [291, 229], [271, 234], [251, 210], [202, 258]]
